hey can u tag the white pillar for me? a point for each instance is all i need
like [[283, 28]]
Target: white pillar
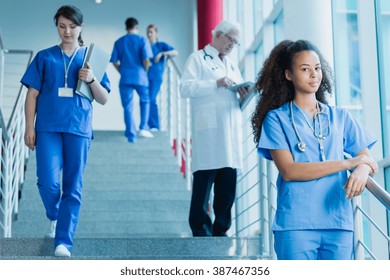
[[310, 20]]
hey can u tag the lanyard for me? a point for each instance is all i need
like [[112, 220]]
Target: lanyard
[[70, 62]]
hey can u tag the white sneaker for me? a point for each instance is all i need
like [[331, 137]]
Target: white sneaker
[[61, 251], [153, 129], [51, 230], [145, 133]]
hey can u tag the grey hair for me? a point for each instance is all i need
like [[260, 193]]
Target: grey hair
[[226, 26]]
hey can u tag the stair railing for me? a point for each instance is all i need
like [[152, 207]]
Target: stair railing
[[175, 116], [13, 152]]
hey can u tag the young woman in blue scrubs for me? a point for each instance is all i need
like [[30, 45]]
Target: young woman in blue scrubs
[[306, 138], [161, 50], [62, 131]]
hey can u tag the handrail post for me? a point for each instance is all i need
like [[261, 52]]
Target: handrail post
[[178, 125], [7, 196], [170, 105], [2, 63], [188, 145], [358, 228], [271, 205], [264, 223]]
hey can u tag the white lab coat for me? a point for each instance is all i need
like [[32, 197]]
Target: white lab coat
[[215, 112]]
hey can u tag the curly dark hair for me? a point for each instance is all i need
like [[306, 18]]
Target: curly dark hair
[[273, 87]]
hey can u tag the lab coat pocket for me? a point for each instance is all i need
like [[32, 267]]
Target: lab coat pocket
[[205, 117]]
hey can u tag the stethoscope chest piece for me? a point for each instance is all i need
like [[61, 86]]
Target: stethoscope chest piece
[[301, 146]]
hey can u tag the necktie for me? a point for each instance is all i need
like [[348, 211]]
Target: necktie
[[221, 56]]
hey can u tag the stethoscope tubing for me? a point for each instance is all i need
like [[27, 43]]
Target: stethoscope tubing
[[320, 136]]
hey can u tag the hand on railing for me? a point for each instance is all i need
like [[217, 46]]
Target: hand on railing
[[377, 190], [357, 181]]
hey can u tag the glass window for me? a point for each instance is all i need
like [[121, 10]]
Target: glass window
[[259, 60], [383, 34], [279, 28], [346, 56], [257, 15]]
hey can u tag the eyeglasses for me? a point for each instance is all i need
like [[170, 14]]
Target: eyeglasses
[[231, 40]]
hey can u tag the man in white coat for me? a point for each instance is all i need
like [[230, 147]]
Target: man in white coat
[[216, 129]]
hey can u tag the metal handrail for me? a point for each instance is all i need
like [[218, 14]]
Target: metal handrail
[[376, 189], [177, 112], [1, 42], [379, 192], [30, 55], [3, 127], [172, 61], [13, 152]]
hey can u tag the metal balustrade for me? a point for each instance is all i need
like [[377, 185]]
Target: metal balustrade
[[175, 116], [13, 152]]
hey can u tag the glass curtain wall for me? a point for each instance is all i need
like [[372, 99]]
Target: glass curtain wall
[[346, 55], [279, 28], [383, 35]]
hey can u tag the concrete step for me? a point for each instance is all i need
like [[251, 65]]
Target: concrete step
[[129, 190], [136, 248]]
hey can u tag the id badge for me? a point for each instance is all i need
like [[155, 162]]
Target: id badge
[[65, 92]]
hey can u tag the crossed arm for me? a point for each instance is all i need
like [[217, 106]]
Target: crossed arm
[[362, 165]]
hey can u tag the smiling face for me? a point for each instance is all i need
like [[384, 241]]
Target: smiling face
[[306, 73], [68, 31]]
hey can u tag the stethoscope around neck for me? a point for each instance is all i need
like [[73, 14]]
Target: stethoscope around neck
[[206, 56], [318, 133]]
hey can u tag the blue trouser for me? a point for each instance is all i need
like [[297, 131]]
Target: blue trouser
[[314, 244], [126, 92], [56, 152], [224, 180], [154, 88]]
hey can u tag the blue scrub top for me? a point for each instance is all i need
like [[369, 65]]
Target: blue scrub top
[[320, 203], [156, 69], [46, 74], [131, 50]]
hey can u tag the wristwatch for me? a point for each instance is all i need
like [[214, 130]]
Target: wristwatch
[[93, 79]]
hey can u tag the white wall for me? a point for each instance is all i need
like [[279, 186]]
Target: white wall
[[28, 24]]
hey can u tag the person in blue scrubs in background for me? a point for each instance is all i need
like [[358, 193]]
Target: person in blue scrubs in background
[[306, 138], [161, 50], [131, 57], [62, 131]]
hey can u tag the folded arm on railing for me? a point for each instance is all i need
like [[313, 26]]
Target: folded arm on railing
[[377, 190]]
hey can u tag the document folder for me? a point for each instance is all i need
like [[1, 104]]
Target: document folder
[[98, 59]]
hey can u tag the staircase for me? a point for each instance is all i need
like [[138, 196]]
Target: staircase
[[135, 206]]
